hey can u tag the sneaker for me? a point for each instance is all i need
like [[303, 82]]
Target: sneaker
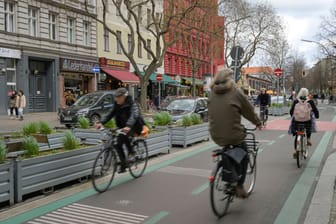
[[309, 143], [241, 193]]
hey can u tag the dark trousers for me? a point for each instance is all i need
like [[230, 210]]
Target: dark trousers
[[299, 125], [12, 109], [121, 141], [243, 167]]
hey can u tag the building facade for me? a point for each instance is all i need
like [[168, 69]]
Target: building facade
[[200, 45], [256, 78], [116, 69], [46, 47]]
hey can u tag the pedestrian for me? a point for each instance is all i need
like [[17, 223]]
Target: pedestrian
[[293, 96], [227, 105], [12, 105], [20, 104], [323, 97]]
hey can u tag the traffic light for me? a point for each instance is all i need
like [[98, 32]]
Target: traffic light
[[304, 74]]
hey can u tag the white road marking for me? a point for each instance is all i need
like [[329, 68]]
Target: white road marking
[[86, 214], [185, 171], [334, 143]]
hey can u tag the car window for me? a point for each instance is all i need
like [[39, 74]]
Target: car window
[[108, 99], [87, 100], [182, 105]]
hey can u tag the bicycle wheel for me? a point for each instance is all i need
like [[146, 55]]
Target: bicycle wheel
[[103, 170], [251, 172], [299, 153], [138, 164], [220, 195]]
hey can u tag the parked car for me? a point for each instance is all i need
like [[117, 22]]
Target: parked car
[[180, 107], [274, 99], [94, 106]]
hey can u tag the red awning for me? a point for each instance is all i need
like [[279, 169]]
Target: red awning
[[124, 76]]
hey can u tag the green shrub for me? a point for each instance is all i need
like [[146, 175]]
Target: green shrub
[[110, 124], [3, 152], [84, 122], [44, 128], [29, 129], [162, 119], [186, 121], [274, 105], [30, 146], [196, 119], [149, 125], [70, 141]]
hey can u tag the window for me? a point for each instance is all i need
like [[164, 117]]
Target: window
[[140, 14], [149, 14], [71, 30], [139, 48], [11, 70], [118, 42], [106, 40], [129, 42], [32, 21], [52, 26], [149, 45], [9, 17], [86, 33], [157, 18]]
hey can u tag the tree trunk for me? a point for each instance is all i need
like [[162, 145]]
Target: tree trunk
[[143, 94]]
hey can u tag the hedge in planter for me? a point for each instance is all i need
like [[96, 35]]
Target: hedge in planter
[[43, 172], [189, 131], [6, 177]]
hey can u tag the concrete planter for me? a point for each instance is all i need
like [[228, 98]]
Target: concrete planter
[[189, 135], [7, 182], [159, 143], [50, 141], [45, 172], [279, 111]]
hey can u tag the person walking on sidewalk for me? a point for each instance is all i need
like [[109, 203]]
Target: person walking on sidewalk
[[227, 105], [12, 105], [21, 103]]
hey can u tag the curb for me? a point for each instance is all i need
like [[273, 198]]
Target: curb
[[320, 207]]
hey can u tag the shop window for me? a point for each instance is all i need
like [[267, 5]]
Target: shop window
[[32, 21], [10, 71], [9, 10]]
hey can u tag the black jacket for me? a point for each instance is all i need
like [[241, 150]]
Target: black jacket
[[312, 104], [126, 115], [264, 99]]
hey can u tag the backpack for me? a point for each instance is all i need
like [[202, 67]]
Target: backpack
[[302, 111]]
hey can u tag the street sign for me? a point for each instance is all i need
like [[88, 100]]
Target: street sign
[[237, 52], [95, 70], [159, 77], [278, 72]]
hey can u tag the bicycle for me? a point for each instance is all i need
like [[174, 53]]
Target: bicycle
[[263, 115], [223, 192], [301, 141], [107, 161]]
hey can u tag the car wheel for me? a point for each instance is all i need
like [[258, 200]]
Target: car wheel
[[95, 118]]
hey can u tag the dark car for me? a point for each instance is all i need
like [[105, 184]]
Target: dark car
[[180, 107], [94, 106]]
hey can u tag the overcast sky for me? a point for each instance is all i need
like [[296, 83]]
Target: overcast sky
[[302, 19]]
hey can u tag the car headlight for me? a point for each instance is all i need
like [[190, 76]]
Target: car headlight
[[82, 112]]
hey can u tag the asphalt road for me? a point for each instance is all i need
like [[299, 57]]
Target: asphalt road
[[176, 191]]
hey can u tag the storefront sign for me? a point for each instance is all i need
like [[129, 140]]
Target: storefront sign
[[114, 64], [10, 53], [72, 65]]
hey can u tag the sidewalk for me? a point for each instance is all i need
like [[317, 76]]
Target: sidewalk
[[322, 209], [8, 125]]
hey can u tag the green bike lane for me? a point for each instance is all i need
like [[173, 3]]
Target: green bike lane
[[175, 190]]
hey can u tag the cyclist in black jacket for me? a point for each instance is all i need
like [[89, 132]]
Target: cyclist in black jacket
[[128, 117], [264, 101]]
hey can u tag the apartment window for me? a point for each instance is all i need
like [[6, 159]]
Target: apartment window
[[149, 14], [129, 42], [118, 42], [52, 26], [86, 33], [139, 48], [9, 17], [71, 30], [140, 14], [149, 46], [106, 40], [157, 17], [32, 21]]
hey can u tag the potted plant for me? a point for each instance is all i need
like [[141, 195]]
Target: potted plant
[[189, 130], [162, 120], [44, 135], [158, 141], [87, 133], [7, 176], [41, 171]]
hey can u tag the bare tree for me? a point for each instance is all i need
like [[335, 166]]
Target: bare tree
[[295, 65], [166, 20], [253, 26], [327, 34]]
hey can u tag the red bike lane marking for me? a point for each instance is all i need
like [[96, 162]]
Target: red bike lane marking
[[283, 125]]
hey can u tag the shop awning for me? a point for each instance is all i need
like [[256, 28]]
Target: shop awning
[[197, 81], [124, 76], [165, 78]]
